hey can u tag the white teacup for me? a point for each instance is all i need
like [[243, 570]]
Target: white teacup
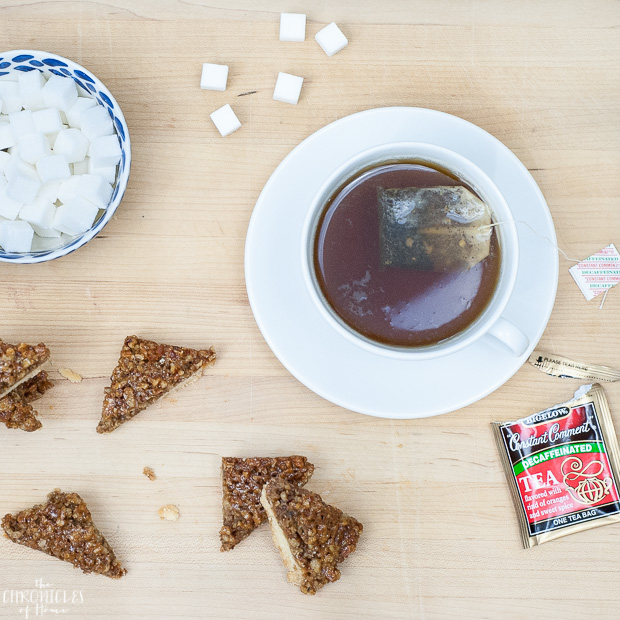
[[490, 323]]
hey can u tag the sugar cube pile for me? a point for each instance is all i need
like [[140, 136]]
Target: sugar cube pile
[[58, 157]]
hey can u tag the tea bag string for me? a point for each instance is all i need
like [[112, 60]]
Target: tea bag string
[[560, 250]]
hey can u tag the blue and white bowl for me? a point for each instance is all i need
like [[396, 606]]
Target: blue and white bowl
[[32, 60]]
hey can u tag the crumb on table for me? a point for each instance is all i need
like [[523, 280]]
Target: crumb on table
[[71, 376], [149, 473], [169, 512]]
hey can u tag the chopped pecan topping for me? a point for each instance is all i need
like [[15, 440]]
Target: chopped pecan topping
[[242, 483], [15, 408], [149, 473], [313, 537], [63, 528], [146, 371], [19, 362]]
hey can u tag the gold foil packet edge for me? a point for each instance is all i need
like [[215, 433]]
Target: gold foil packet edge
[[558, 366]]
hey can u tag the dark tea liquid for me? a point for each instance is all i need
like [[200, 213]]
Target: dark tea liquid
[[396, 306]]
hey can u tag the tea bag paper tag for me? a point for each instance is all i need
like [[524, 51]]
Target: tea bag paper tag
[[597, 273]]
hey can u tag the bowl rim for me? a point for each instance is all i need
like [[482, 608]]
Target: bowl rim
[[122, 179]]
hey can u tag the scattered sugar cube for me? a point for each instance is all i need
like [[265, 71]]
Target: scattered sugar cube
[[22, 123], [225, 120], [47, 121], [96, 122], [51, 233], [11, 101], [288, 88], [71, 143], [16, 236], [4, 160], [331, 39], [75, 217], [32, 147], [7, 139], [293, 27], [75, 111], [9, 208], [45, 244], [81, 167], [39, 212], [68, 188], [53, 168], [30, 89], [95, 189], [214, 77], [105, 151], [108, 173], [59, 92]]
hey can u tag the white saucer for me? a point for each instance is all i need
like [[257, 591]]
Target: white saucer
[[330, 364]]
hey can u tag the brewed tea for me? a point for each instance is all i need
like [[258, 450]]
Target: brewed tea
[[404, 254]]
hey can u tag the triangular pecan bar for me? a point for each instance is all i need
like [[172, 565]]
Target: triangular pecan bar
[[19, 363], [63, 527], [312, 536], [147, 371], [15, 408]]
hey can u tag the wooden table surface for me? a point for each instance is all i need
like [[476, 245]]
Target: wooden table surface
[[440, 537]]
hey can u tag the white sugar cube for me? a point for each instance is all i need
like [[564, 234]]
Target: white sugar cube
[[293, 27], [49, 191], [17, 166], [75, 217], [16, 236], [45, 244], [32, 147], [95, 189], [9, 208], [105, 151], [7, 139], [71, 143], [214, 77], [108, 173], [288, 88], [51, 233], [59, 92], [81, 167], [4, 160], [22, 123], [75, 111], [39, 212], [331, 39], [225, 120], [47, 121], [96, 122], [68, 188], [23, 187], [11, 101], [53, 168], [30, 87]]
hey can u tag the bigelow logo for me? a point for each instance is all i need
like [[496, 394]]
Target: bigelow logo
[[42, 600]]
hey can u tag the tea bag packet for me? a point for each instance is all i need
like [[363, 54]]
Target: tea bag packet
[[558, 366], [433, 228], [562, 466]]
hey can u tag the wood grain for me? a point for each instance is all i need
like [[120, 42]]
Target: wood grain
[[440, 536]]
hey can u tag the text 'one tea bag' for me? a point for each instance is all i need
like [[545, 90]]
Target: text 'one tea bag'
[[433, 228]]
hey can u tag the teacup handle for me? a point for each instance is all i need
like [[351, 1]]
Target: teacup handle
[[510, 335]]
